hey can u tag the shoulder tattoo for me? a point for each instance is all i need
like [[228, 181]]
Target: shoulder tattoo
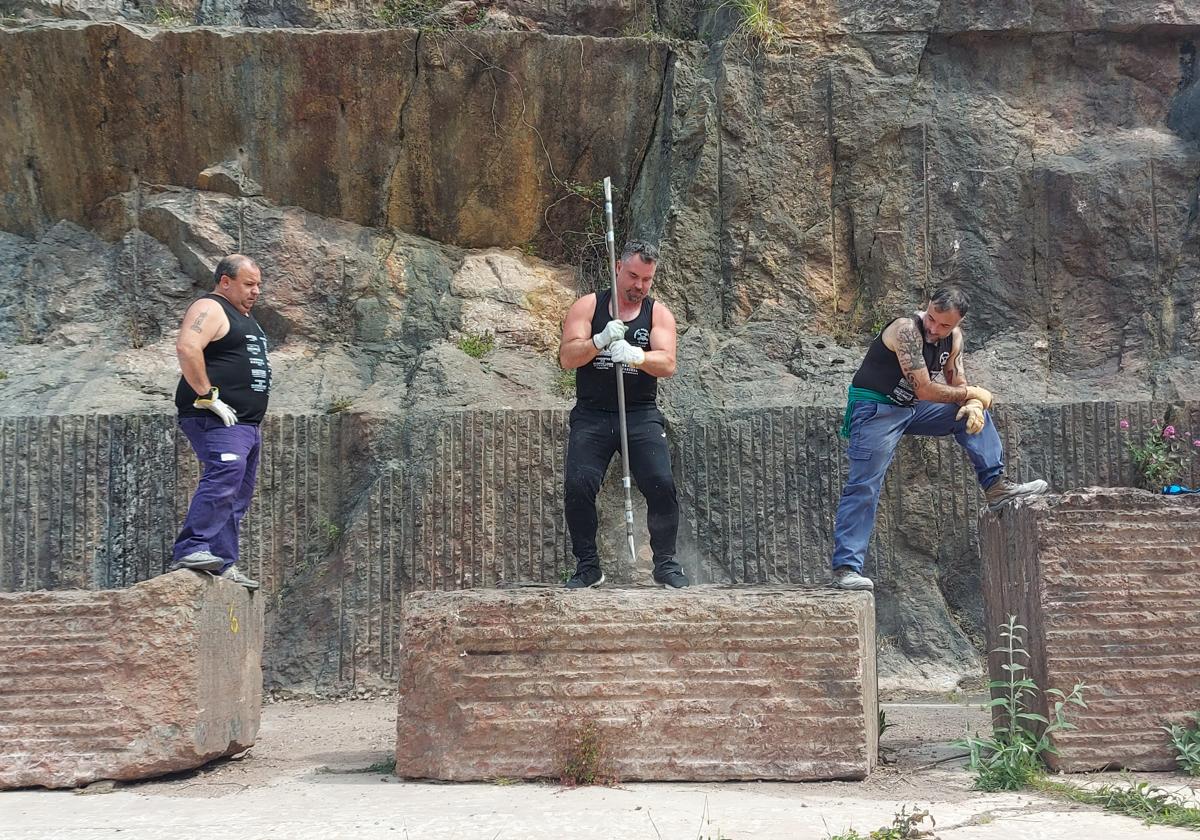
[[198, 323]]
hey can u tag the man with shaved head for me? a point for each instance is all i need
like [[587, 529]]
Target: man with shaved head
[[222, 397]]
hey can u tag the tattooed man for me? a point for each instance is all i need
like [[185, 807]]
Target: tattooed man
[[912, 382], [222, 396]]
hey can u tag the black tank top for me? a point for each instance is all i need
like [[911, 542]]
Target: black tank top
[[595, 382], [880, 369], [237, 364]]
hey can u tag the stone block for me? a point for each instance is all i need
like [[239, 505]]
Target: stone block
[[709, 684], [1107, 581], [127, 684]]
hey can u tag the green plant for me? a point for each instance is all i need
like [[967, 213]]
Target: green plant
[[756, 23], [386, 765], [586, 759], [1143, 801], [339, 404], [477, 345], [326, 531], [169, 18], [406, 13], [3, 375], [1187, 745], [884, 726], [1161, 456], [565, 384], [1013, 756], [905, 826]]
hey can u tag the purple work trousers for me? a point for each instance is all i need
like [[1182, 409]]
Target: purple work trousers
[[229, 458]]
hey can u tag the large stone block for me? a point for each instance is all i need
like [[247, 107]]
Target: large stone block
[[709, 684], [1107, 581], [127, 684]]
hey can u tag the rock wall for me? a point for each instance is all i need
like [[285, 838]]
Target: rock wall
[[410, 193], [351, 514]]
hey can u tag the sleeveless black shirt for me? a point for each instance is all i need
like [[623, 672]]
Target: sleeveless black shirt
[[237, 364], [595, 382], [880, 369]]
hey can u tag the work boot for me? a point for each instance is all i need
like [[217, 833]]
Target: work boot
[[1002, 490], [586, 577], [199, 561], [234, 575], [846, 578]]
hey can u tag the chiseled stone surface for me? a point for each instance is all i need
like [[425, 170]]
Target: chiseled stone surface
[[1106, 580], [708, 684], [127, 684]]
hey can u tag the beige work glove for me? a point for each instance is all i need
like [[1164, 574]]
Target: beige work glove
[[973, 411], [984, 396]]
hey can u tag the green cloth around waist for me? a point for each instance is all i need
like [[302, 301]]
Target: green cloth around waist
[[855, 395]]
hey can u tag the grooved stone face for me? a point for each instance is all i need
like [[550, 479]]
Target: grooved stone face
[[708, 684], [1107, 581], [129, 683]]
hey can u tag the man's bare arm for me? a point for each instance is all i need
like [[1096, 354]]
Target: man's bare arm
[[660, 358], [906, 342], [577, 348], [955, 375], [201, 325]]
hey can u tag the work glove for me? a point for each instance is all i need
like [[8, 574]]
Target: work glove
[[212, 402], [613, 331], [973, 411], [625, 353], [982, 394]]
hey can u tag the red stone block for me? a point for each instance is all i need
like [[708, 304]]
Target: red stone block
[[708, 684], [129, 683], [1107, 581]]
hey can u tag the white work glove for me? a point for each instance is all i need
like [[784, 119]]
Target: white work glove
[[984, 396], [625, 353], [212, 402], [613, 331], [973, 411]]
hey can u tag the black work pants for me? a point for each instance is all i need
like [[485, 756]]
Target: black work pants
[[595, 437]]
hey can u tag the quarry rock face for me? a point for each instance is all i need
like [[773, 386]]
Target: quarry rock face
[[1105, 580], [127, 684], [708, 684], [406, 192]]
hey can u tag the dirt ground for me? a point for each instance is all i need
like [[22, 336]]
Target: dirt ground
[[309, 776]]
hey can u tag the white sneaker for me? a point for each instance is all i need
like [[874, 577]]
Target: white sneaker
[[846, 578], [1003, 491], [234, 575], [199, 561]]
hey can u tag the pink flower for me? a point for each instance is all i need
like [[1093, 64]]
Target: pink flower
[[1196, 443], [1124, 424], [1169, 432]]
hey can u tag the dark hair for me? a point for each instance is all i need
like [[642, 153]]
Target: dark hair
[[230, 266], [645, 250], [950, 297]]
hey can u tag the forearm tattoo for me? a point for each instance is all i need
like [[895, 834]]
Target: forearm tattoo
[[199, 322]]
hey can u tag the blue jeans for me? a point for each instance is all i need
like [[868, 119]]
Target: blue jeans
[[875, 430], [229, 457]]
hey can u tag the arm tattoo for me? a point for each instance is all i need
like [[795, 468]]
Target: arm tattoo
[[908, 351], [960, 378], [198, 323]]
